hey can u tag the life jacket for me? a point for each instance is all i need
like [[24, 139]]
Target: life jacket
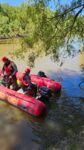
[[8, 69], [24, 81]]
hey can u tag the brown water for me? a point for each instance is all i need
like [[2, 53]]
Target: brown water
[[63, 126]]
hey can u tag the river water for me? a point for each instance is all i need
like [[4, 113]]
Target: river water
[[63, 126]]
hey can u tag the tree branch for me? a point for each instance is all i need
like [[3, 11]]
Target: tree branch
[[67, 11], [75, 18]]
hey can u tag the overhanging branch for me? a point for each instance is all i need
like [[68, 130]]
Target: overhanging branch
[[67, 11], [72, 26]]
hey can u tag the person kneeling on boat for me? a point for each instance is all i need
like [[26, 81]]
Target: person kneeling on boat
[[27, 86], [9, 71]]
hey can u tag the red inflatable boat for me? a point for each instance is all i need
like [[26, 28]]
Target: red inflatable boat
[[24, 102], [53, 85], [28, 103]]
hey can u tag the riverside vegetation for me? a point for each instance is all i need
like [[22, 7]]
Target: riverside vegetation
[[43, 30]]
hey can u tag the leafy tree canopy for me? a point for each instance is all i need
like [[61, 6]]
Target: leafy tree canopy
[[44, 30]]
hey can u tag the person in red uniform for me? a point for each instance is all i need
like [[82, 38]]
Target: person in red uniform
[[26, 81], [9, 71], [27, 86]]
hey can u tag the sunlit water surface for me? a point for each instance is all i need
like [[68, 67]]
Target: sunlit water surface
[[63, 126]]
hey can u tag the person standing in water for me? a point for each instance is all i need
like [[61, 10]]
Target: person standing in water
[[9, 71]]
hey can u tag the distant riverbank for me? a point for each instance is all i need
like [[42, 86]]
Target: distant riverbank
[[9, 40]]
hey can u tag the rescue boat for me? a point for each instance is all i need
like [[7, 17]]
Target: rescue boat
[[53, 85], [26, 103]]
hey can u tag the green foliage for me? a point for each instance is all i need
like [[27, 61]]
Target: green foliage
[[43, 30]]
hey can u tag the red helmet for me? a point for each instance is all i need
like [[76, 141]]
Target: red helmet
[[27, 70], [4, 59]]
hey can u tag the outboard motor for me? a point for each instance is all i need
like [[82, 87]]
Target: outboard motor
[[31, 90], [41, 74], [45, 93]]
